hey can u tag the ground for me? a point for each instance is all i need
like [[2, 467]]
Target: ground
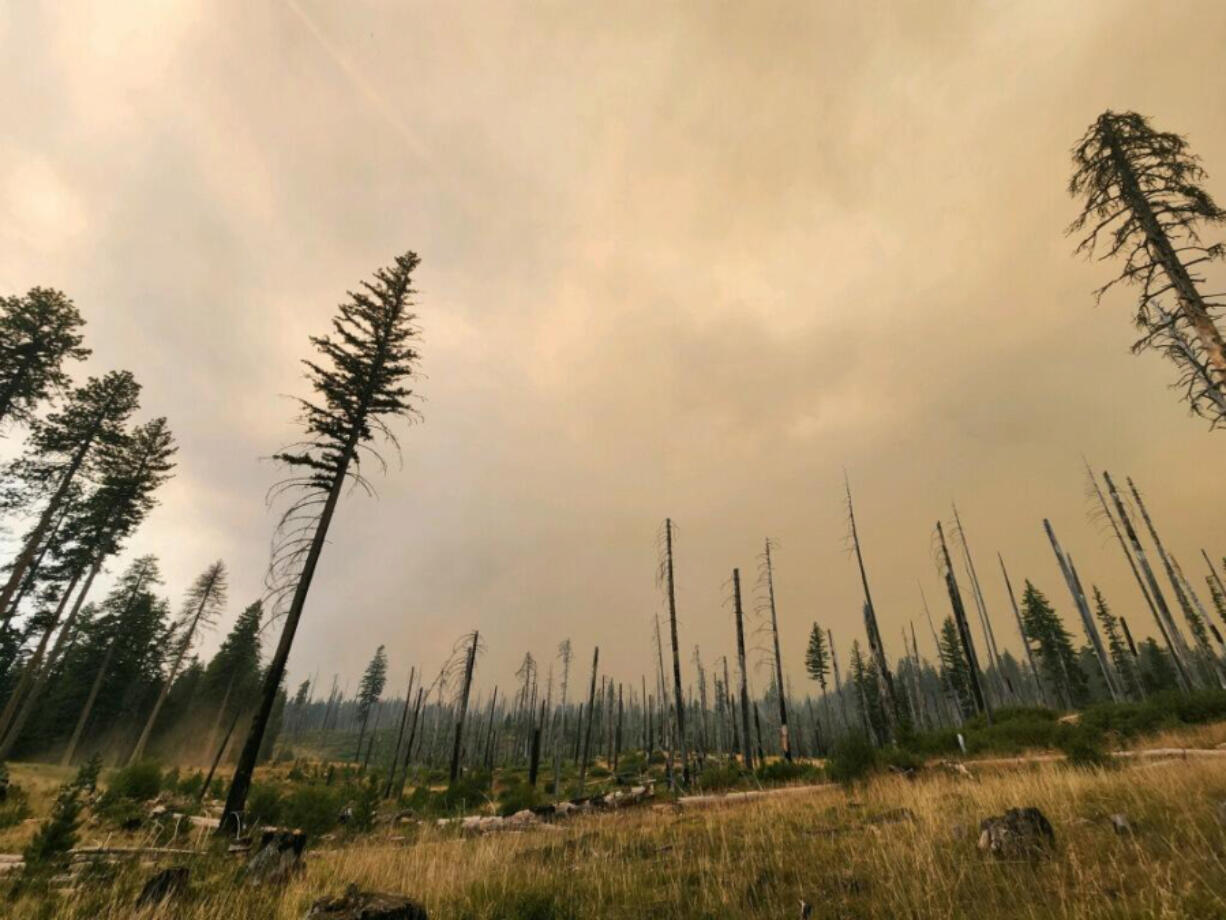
[[893, 847]]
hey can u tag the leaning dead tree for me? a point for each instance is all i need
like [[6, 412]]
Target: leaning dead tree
[[470, 660], [870, 616], [1083, 609], [981, 607], [1162, 613], [964, 629], [1144, 203], [361, 382]]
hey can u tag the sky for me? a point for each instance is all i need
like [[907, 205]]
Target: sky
[[678, 260]]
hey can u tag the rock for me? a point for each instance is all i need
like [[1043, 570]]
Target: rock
[[1121, 824], [164, 885], [1019, 832], [524, 818], [277, 859], [356, 904]]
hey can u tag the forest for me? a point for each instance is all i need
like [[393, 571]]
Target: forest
[[115, 727]]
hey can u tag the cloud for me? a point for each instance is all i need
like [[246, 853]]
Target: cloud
[[676, 261]]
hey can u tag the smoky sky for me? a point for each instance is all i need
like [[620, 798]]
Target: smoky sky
[[687, 260]]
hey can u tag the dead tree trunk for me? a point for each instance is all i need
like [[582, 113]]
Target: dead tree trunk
[[1162, 613], [459, 724], [672, 627], [784, 742], [1021, 631], [1083, 608], [870, 617], [591, 710], [964, 630], [746, 753]]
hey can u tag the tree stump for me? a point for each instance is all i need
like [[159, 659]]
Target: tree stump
[[1018, 833], [277, 859], [356, 904]]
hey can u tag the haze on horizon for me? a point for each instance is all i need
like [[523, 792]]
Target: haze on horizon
[[691, 261]]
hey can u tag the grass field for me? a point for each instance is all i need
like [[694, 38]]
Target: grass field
[[848, 853]]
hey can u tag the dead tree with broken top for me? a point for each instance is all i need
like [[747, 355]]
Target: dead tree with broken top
[[870, 619], [964, 630], [768, 574], [666, 577]]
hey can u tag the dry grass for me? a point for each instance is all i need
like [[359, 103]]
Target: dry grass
[[758, 859]]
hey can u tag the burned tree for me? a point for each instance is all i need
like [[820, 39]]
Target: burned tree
[[1143, 202], [768, 576], [360, 381]]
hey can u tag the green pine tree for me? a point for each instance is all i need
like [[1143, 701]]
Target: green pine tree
[[1053, 644], [1121, 657]]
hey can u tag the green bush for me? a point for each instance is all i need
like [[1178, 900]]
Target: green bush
[[853, 759], [516, 796], [313, 809], [58, 834], [365, 805], [783, 771], [716, 776], [264, 805], [902, 759], [192, 785], [139, 782]]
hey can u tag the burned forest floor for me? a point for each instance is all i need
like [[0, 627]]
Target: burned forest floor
[[1130, 836]]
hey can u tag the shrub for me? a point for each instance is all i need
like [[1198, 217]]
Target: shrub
[[264, 805], [192, 785], [783, 771], [901, 759], [365, 805], [58, 834], [313, 809], [716, 776], [139, 782], [853, 759], [516, 796], [1083, 746]]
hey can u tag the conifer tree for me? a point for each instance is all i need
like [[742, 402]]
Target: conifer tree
[[131, 472], [817, 659], [231, 679], [1157, 668], [369, 691], [93, 418], [360, 384], [1054, 646], [1145, 203], [38, 332], [201, 606], [954, 667], [133, 587], [1121, 657]]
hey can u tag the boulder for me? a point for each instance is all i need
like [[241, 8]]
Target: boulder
[[164, 885], [356, 904], [1018, 833]]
